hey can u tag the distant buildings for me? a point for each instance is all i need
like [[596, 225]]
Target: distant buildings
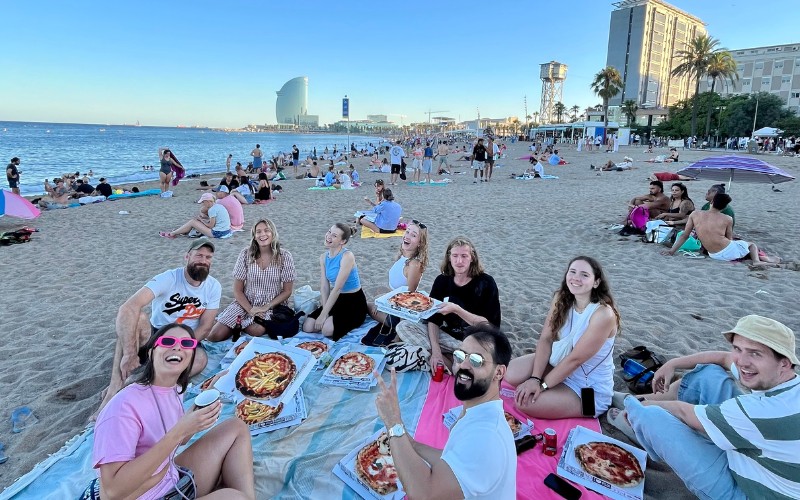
[[774, 69], [643, 39], [291, 105]]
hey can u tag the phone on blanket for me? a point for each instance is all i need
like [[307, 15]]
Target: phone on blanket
[[587, 402], [562, 487]]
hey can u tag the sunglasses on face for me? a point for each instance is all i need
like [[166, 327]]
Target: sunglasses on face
[[419, 224], [475, 359], [169, 342]]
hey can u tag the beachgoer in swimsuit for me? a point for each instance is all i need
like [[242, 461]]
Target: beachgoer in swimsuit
[[165, 174], [680, 207], [256, 154]]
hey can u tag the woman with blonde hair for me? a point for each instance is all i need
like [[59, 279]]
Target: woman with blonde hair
[[263, 277], [575, 349]]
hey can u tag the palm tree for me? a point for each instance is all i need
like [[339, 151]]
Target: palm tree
[[559, 109], [607, 83], [722, 66], [536, 117], [575, 110], [629, 108], [694, 60]]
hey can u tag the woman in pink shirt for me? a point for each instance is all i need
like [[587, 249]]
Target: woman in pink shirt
[[137, 435]]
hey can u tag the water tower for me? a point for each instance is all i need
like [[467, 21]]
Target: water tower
[[553, 75]]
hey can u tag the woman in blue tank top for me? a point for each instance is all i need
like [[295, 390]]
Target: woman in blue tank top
[[343, 304]]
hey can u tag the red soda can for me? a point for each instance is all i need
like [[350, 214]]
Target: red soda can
[[438, 375], [550, 442]]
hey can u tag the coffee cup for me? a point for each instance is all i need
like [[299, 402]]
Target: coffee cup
[[207, 397]]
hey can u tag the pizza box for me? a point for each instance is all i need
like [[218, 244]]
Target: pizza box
[[364, 383], [569, 468], [231, 354], [326, 358], [293, 413], [304, 362], [192, 390], [345, 470], [383, 305], [449, 419]]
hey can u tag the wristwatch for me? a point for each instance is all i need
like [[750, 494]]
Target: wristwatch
[[544, 386], [397, 430]]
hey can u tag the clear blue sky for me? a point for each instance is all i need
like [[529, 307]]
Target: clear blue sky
[[219, 63]]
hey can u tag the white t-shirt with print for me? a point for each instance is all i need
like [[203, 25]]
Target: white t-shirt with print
[[397, 153], [176, 301]]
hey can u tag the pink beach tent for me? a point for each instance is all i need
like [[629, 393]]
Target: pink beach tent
[[15, 205]]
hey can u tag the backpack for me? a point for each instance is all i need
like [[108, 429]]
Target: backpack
[[639, 217], [638, 367]]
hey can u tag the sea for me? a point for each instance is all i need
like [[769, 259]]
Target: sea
[[118, 152]]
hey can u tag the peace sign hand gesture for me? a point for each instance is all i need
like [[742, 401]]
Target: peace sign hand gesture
[[386, 402]]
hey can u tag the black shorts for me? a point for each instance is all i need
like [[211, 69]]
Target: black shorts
[[395, 169], [348, 313], [14, 183], [490, 162], [387, 231]]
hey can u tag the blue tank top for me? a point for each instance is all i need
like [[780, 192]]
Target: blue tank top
[[332, 265]]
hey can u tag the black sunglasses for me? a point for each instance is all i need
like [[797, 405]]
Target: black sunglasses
[[418, 223]]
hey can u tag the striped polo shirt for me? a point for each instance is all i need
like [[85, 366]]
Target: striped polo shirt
[[760, 434]]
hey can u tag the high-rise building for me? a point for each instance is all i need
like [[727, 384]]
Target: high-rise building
[[643, 39], [292, 101], [774, 69]]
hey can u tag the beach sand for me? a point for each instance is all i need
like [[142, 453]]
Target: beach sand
[[61, 292]]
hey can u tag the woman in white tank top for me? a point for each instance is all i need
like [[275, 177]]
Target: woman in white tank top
[[574, 350], [409, 266]]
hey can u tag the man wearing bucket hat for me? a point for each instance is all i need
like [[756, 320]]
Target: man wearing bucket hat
[[729, 428]]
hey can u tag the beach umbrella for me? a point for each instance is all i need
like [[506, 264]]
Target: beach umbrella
[[767, 132], [736, 168], [17, 206]]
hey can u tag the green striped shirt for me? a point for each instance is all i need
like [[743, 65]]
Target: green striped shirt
[[760, 433]]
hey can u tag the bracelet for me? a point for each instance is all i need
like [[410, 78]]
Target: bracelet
[[536, 378]]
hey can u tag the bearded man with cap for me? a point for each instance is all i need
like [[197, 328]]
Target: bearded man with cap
[[730, 428]]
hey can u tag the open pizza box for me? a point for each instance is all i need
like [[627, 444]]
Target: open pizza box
[[363, 382], [293, 413], [570, 468], [384, 305], [303, 360], [450, 417], [234, 351], [324, 355], [345, 470]]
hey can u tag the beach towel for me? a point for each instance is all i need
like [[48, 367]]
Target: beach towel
[[322, 188], [369, 233], [149, 192], [532, 466], [177, 169], [432, 183]]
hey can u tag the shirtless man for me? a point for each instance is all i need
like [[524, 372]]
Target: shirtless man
[[715, 230], [59, 195], [441, 155], [256, 154], [656, 201]]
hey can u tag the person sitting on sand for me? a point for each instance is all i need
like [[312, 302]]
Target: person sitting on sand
[[137, 435], [733, 443], [217, 225], [712, 191], [264, 189], [331, 179], [574, 350], [186, 295], [680, 206], [232, 205], [343, 304], [379, 187], [103, 188], [263, 277], [471, 298], [644, 208], [406, 271], [83, 189], [387, 215], [59, 195], [554, 159], [715, 230], [344, 180], [229, 181]]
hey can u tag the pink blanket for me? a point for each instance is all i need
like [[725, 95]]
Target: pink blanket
[[532, 466]]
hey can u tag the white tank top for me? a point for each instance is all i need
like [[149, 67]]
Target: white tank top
[[396, 276]]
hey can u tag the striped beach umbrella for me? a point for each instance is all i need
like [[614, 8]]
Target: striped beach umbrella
[[736, 168]]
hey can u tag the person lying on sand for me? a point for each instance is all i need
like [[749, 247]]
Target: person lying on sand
[[731, 443], [626, 164], [715, 230], [669, 177]]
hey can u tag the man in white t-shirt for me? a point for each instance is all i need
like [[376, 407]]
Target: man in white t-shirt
[[185, 295], [479, 459], [213, 221], [396, 154]]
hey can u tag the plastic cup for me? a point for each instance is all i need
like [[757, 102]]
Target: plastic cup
[[207, 397]]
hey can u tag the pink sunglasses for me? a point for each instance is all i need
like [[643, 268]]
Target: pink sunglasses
[[169, 342]]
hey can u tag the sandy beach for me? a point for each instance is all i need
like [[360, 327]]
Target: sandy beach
[[61, 292]]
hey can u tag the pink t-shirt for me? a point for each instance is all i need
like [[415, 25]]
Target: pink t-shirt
[[234, 209], [130, 425]]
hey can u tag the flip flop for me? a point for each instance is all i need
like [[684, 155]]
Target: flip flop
[[618, 400], [166, 235], [616, 418]]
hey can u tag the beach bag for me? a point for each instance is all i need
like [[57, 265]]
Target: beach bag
[[306, 299], [663, 235], [692, 244], [283, 322], [403, 358], [640, 382], [639, 216]]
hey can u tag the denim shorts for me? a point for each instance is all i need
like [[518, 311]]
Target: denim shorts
[[221, 234]]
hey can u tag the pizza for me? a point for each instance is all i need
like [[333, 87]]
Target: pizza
[[315, 347], [515, 424], [239, 348], [375, 466], [413, 301], [252, 412], [266, 376], [353, 364], [610, 462]]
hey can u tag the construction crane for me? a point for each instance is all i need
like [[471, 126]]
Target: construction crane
[[429, 113]]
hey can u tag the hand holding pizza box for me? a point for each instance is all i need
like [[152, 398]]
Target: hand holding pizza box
[[603, 464], [413, 306], [369, 469]]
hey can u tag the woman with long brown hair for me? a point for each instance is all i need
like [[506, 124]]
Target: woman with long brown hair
[[575, 348]]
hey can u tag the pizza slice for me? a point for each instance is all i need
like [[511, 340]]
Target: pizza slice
[[610, 462], [375, 466]]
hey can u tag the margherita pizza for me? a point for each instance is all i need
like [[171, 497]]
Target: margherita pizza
[[515, 424], [315, 347], [375, 466], [240, 347], [413, 301], [610, 462], [253, 412], [266, 376], [353, 364]]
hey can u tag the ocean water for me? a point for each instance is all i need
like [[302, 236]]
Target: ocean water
[[117, 152]]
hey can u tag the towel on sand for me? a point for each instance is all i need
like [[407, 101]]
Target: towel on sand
[[369, 233]]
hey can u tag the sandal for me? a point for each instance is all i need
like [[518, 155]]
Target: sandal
[[166, 235], [617, 419]]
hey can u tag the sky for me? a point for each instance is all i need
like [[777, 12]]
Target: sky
[[218, 63]]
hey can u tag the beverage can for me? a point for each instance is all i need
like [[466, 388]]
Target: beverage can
[[550, 442], [438, 375]]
